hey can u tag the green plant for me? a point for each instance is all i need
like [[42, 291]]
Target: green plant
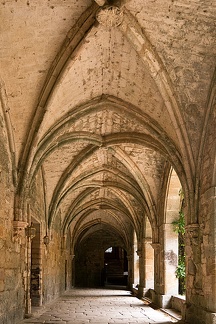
[[179, 228], [181, 275], [179, 224]]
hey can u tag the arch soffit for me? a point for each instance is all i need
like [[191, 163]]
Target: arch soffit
[[87, 181], [75, 212], [123, 157], [64, 185], [157, 70], [60, 132], [72, 40], [133, 32], [144, 48], [139, 187], [83, 229], [105, 228], [112, 141], [210, 114], [112, 138]]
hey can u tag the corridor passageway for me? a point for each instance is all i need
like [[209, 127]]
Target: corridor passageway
[[102, 306], [107, 160]]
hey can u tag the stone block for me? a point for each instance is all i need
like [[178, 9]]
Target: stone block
[[1, 231], [2, 285], [164, 301], [2, 274]]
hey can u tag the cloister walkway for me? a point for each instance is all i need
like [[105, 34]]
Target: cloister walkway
[[102, 306]]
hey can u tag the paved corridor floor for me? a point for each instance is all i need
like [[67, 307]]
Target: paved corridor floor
[[98, 306]]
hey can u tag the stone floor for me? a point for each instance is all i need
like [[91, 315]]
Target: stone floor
[[102, 306]]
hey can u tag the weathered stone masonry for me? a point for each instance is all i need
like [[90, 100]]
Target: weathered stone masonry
[[107, 110]]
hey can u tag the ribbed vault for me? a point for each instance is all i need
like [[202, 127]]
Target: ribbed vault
[[106, 129]]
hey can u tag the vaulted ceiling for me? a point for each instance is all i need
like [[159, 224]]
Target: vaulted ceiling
[[104, 97]]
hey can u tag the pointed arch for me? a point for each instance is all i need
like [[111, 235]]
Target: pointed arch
[[71, 43], [131, 29]]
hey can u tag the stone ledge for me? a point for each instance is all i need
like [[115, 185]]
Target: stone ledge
[[178, 302]]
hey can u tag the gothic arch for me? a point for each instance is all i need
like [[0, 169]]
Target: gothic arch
[[129, 27]]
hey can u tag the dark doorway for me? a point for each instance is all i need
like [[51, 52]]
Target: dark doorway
[[93, 266], [88, 264], [115, 266]]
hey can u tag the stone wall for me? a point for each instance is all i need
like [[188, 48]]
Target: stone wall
[[52, 260], [201, 240], [53, 269], [11, 254]]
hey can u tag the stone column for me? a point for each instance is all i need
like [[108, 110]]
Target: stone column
[[166, 260], [141, 273], [193, 256], [148, 265], [157, 272], [146, 272], [200, 261], [72, 270], [130, 271]]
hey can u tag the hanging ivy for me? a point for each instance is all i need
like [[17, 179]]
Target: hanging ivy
[[179, 224], [180, 270], [179, 228]]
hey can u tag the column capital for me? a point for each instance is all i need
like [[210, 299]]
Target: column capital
[[129, 257], [30, 231], [156, 246], [139, 253], [193, 230], [19, 230], [147, 240]]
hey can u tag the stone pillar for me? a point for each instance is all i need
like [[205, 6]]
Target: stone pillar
[[130, 271], [193, 255], [208, 251], [148, 265], [200, 261], [141, 273], [158, 278], [166, 261], [73, 270], [193, 264]]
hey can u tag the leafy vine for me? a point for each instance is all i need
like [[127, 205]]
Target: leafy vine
[[179, 228]]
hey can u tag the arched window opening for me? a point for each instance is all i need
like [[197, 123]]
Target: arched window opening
[[109, 250], [171, 237], [179, 228]]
